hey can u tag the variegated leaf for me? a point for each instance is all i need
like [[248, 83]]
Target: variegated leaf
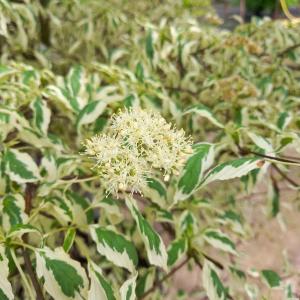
[[64, 278], [49, 166], [115, 247], [283, 120], [219, 240], [127, 290], [156, 191], [145, 282], [111, 209], [60, 208], [262, 143], [193, 171], [155, 247], [41, 115], [69, 239], [81, 215], [212, 284], [21, 167], [6, 292], [233, 219], [188, 222], [20, 229], [176, 251], [60, 95], [205, 112], [76, 80], [91, 112], [100, 288], [233, 169], [13, 211]]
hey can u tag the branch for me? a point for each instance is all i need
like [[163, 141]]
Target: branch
[[287, 178], [31, 273], [244, 151], [214, 261], [159, 282], [29, 193]]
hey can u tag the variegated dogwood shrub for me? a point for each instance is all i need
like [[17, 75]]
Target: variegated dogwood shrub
[[131, 136]]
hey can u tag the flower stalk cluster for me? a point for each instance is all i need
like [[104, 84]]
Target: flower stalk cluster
[[137, 143]]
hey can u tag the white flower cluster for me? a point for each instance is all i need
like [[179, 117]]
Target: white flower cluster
[[137, 142]]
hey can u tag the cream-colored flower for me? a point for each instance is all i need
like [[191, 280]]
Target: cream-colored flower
[[119, 167], [162, 145], [136, 143]]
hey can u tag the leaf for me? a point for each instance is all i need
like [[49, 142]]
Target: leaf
[[21, 167], [205, 112], [192, 173], [115, 247], [283, 120], [130, 101], [161, 215], [149, 45], [176, 251], [145, 282], [49, 167], [127, 290], [139, 72], [233, 169], [75, 79], [271, 278], [238, 273], [233, 219], [79, 206], [262, 143], [100, 288], [219, 240], [6, 292], [156, 191], [41, 115], [60, 95], [188, 223], [155, 247], [13, 211], [64, 278], [111, 209], [20, 229], [61, 209], [273, 198], [90, 113], [212, 283], [69, 239]]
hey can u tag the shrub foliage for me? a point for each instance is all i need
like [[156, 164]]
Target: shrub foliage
[[130, 135]]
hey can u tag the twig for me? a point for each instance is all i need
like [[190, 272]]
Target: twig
[[288, 49], [26, 283], [287, 178], [214, 261], [158, 283], [178, 89], [31, 273], [29, 193], [244, 151]]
